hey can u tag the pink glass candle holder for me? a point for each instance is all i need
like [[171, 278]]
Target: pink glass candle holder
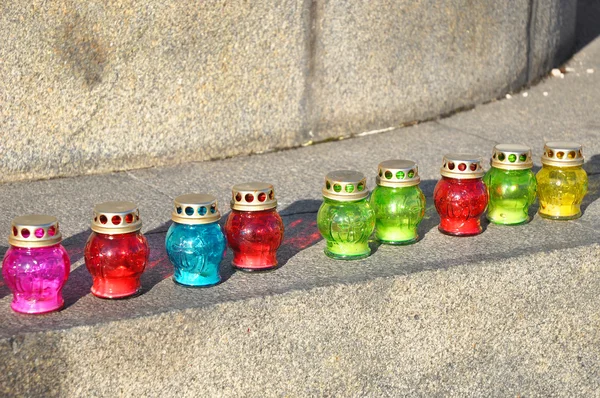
[[36, 266], [116, 252]]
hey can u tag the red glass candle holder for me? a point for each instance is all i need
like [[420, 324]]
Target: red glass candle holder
[[461, 196], [116, 252], [254, 228]]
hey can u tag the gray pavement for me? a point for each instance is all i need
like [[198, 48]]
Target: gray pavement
[[513, 311]]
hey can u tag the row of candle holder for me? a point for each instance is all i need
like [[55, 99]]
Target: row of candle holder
[[36, 266], [396, 206]]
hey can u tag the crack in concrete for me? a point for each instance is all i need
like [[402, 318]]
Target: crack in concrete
[[156, 232]]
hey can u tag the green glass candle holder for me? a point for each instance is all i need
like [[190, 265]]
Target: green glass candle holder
[[345, 218], [562, 181], [511, 184], [398, 202]]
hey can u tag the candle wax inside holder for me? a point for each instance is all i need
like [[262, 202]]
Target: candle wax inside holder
[[460, 204], [346, 227], [254, 237], [511, 193], [36, 277], [116, 263], [398, 213], [561, 191]]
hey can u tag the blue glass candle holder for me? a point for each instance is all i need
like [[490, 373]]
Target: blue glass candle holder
[[195, 242]]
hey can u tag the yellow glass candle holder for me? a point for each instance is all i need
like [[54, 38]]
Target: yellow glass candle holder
[[562, 181]]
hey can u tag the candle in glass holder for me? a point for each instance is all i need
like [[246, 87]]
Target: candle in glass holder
[[116, 252], [345, 219], [254, 229], [36, 266], [460, 197], [398, 202], [511, 184], [195, 243], [562, 181]]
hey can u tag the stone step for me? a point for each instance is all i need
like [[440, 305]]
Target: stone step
[[512, 311], [523, 326]]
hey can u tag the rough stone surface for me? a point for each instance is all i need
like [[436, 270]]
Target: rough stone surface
[[552, 35], [511, 312], [379, 63], [527, 326], [89, 87], [100, 86]]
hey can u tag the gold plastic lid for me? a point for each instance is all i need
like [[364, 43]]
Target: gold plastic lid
[[115, 218], [195, 208], [253, 196], [511, 157], [462, 166], [562, 154], [398, 173], [35, 230], [345, 185]]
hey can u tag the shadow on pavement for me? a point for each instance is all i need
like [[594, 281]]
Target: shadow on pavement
[[301, 232], [431, 219], [592, 168], [4, 291], [588, 22], [80, 280]]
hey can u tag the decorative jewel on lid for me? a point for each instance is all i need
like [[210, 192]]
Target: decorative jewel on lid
[[511, 157], [398, 173], [35, 230], [253, 196], [345, 185], [195, 208], [116, 218], [562, 154]]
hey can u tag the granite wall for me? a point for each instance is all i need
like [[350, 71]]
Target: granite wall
[[98, 86]]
